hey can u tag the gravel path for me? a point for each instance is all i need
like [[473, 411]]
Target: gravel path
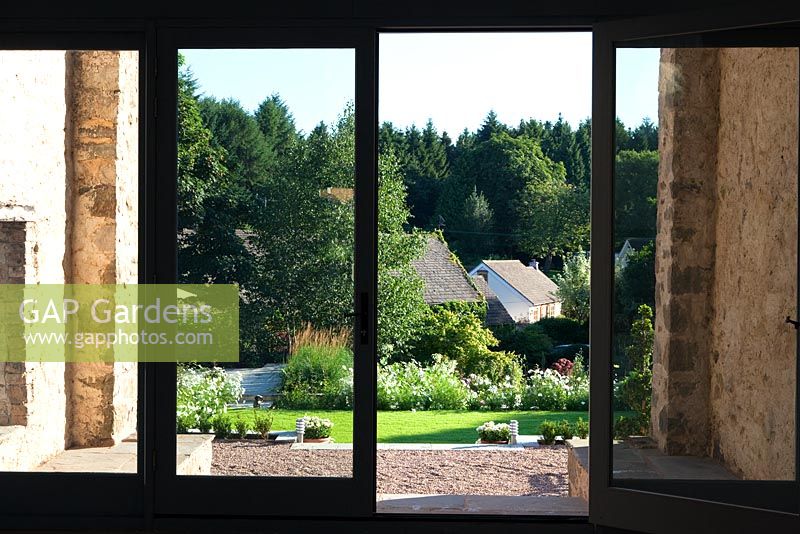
[[541, 471]]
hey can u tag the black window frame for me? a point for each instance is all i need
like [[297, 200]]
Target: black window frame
[[298, 496], [666, 505], [91, 502], [81, 498]]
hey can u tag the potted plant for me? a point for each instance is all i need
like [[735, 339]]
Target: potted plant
[[490, 432], [317, 430]]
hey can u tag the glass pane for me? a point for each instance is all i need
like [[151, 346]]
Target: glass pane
[[483, 210], [706, 257], [266, 152], [69, 175]]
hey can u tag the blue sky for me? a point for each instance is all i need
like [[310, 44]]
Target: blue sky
[[454, 79]]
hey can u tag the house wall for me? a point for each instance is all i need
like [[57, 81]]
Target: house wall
[[726, 258], [53, 166], [518, 307], [754, 350], [32, 174]]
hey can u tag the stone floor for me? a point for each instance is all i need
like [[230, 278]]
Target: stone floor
[[481, 504], [194, 452], [634, 462]]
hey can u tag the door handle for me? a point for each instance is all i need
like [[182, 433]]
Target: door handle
[[363, 315], [795, 323]]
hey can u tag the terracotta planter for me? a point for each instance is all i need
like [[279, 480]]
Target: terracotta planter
[[316, 440]]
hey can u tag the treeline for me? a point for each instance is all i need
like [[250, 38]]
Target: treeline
[[521, 191]]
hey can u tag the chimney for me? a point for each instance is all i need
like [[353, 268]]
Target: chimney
[[534, 264], [483, 273]]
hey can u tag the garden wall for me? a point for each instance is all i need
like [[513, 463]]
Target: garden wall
[[726, 258]]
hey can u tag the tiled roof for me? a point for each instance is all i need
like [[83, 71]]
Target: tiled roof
[[496, 313], [445, 280], [532, 283]]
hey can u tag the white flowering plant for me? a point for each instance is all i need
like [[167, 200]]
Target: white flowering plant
[[317, 428], [203, 393], [491, 431]]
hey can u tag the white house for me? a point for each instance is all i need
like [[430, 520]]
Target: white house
[[526, 292]]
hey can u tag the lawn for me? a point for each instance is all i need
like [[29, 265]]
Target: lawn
[[419, 427]]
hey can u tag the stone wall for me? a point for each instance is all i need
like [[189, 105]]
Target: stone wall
[[726, 258], [103, 184], [754, 357], [70, 225]]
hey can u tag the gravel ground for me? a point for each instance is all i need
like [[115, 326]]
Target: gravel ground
[[541, 471]]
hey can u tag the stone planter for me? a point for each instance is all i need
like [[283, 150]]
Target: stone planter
[[485, 442]]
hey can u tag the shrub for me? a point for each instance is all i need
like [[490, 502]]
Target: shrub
[[184, 423], [530, 342], [488, 395], [631, 425], [205, 423], [454, 333], [549, 431], [242, 427], [490, 431], [222, 424], [496, 366], [409, 386], [319, 372], [563, 330], [203, 393], [562, 366], [635, 390], [317, 428], [581, 428], [565, 429], [262, 422], [549, 390], [573, 287]]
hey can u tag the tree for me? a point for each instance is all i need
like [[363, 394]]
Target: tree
[[201, 166], [645, 136], [635, 285], [573, 287], [558, 144], [551, 216], [401, 307], [622, 136], [635, 184], [249, 158], [476, 215], [277, 125], [491, 126], [583, 142], [425, 166]]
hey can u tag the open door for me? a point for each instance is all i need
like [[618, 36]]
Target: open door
[[695, 274]]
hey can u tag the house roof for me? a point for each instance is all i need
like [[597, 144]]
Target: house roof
[[496, 313], [636, 243], [445, 280], [532, 283]]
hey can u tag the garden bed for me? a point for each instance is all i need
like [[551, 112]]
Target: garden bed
[[541, 471]]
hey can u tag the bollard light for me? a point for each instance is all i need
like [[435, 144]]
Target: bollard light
[[300, 429], [514, 428]]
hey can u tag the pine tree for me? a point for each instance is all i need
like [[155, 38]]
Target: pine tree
[[276, 124]]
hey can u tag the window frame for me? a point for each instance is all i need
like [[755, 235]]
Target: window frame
[[656, 505], [121, 498], [196, 495]]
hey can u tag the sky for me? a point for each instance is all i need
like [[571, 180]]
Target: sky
[[453, 79]]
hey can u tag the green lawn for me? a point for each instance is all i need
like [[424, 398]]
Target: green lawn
[[419, 427]]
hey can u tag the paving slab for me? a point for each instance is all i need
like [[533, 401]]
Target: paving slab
[[480, 504]]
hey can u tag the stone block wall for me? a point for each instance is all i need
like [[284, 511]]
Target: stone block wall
[[726, 258]]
